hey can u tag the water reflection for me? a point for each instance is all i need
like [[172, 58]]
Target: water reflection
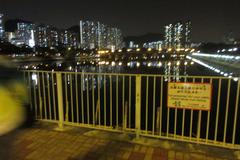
[[174, 67], [172, 70]]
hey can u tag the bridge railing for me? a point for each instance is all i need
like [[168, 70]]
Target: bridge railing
[[137, 104]]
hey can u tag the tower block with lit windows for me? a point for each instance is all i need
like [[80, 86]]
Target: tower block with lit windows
[[1, 27], [100, 36], [178, 36]]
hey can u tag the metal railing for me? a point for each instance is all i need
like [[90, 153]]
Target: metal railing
[[135, 103]]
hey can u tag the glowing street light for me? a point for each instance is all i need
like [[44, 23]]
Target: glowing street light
[[235, 79], [169, 49], [113, 63], [159, 64], [138, 64], [149, 64]]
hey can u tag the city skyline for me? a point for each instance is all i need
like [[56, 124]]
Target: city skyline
[[35, 34], [210, 20], [88, 35]]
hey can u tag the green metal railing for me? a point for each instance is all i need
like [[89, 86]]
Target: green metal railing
[[137, 104]]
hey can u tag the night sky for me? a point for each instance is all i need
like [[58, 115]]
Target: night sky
[[211, 18]]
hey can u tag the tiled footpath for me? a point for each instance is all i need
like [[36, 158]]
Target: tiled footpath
[[42, 142]]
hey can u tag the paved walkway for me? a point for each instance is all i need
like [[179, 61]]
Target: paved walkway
[[41, 142]]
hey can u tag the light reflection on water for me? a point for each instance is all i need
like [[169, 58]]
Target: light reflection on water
[[175, 68], [179, 67]]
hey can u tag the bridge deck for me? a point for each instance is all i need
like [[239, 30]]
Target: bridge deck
[[42, 142]]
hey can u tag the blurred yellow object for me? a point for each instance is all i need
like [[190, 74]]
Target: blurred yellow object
[[12, 112], [18, 90]]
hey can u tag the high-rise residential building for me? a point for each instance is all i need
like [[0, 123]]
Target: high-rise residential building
[[102, 36], [90, 34], [53, 37], [169, 36], [98, 35], [1, 27], [118, 39], [68, 39], [42, 36], [48, 36], [188, 32], [110, 38], [178, 35], [25, 33]]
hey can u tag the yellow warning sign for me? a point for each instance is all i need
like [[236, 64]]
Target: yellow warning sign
[[196, 96]]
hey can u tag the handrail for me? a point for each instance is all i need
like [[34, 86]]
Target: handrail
[[127, 74]]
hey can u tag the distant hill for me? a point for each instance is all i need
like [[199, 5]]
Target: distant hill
[[149, 37], [213, 47], [75, 29], [11, 24]]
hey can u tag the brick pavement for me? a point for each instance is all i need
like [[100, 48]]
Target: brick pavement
[[41, 142]]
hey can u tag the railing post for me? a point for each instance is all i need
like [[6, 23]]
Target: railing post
[[158, 120], [60, 101], [125, 116], [138, 106]]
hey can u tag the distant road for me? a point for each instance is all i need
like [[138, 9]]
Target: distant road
[[226, 63]]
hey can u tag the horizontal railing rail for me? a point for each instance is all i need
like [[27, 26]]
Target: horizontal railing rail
[[128, 74], [135, 103]]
